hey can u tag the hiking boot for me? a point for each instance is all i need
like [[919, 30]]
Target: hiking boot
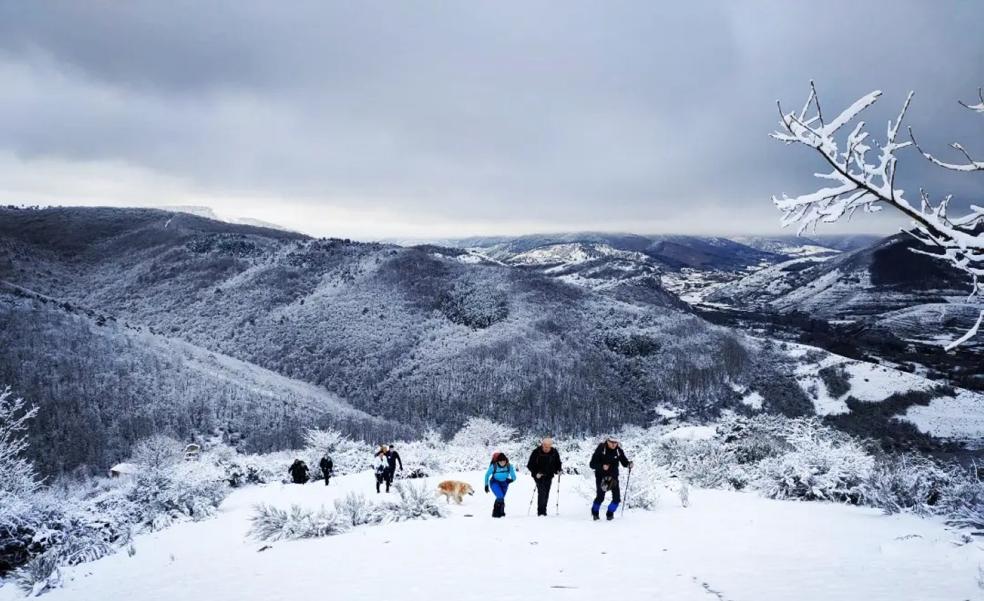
[[594, 516], [609, 516]]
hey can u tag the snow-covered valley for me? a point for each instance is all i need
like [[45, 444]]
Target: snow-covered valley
[[724, 545]]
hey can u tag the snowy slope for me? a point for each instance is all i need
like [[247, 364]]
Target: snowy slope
[[959, 416], [723, 546]]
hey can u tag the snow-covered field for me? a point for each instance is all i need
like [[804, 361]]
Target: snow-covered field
[[725, 545]]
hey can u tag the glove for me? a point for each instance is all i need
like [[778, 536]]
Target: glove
[[631, 463], [509, 480], [486, 489]]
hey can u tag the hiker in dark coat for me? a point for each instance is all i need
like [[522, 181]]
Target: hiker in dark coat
[[327, 467], [605, 461], [298, 472], [392, 458], [544, 464]]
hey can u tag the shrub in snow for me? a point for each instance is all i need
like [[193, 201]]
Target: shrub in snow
[[909, 483], [416, 503], [38, 575], [271, 523], [752, 439], [823, 464], [187, 490], [705, 463], [355, 510]]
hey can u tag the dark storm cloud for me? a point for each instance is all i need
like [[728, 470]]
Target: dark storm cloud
[[490, 115]]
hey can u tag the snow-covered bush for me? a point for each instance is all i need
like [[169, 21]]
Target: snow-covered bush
[[416, 503], [356, 510], [824, 464], [910, 483], [187, 490], [38, 575], [705, 463], [271, 523]]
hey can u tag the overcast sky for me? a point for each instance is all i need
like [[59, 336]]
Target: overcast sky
[[418, 119]]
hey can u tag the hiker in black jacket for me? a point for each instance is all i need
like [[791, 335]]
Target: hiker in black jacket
[[605, 461], [392, 458], [327, 467], [298, 471], [544, 464]]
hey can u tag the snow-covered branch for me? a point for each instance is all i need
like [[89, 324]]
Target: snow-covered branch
[[16, 473], [862, 172]]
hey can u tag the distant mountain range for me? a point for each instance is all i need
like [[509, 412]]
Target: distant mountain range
[[189, 324]]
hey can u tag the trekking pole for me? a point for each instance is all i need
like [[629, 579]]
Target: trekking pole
[[530, 508], [558, 494], [625, 502]]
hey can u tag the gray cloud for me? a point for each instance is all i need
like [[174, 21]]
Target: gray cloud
[[374, 118]]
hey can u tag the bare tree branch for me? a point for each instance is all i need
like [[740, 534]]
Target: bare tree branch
[[869, 184]]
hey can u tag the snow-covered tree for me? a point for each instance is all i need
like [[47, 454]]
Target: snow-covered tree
[[483, 432], [862, 176], [157, 452], [17, 475]]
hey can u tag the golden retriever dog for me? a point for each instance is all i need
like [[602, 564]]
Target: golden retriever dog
[[454, 489]]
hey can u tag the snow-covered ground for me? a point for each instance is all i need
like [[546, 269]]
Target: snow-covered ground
[[725, 545]]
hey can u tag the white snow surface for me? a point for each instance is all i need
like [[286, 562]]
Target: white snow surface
[[958, 417], [725, 545]]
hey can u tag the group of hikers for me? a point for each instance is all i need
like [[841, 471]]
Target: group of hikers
[[544, 464], [385, 462], [299, 470]]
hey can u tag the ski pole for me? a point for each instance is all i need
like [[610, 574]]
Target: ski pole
[[558, 494], [625, 502], [530, 508]]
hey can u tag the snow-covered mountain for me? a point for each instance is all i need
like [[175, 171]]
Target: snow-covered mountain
[[416, 335], [857, 286], [570, 336]]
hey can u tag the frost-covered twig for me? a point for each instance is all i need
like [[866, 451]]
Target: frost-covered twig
[[865, 182]]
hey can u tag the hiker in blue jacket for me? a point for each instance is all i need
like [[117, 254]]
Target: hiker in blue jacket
[[498, 477]]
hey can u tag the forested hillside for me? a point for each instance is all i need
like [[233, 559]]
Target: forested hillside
[[101, 386], [403, 333]]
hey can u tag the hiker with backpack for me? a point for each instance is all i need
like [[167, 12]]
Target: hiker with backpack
[[327, 467], [298, 472], [380, 465], [605, 462], [544, 464], [498, 477]]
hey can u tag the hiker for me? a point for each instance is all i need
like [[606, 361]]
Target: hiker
[[498, 477], [327, 467], [298, 472], [605, 462], [544, 464], [392, 458], [380, 465]]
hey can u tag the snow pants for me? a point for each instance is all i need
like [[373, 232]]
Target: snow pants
[[600, 493], [499, 489], [542, 493]]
